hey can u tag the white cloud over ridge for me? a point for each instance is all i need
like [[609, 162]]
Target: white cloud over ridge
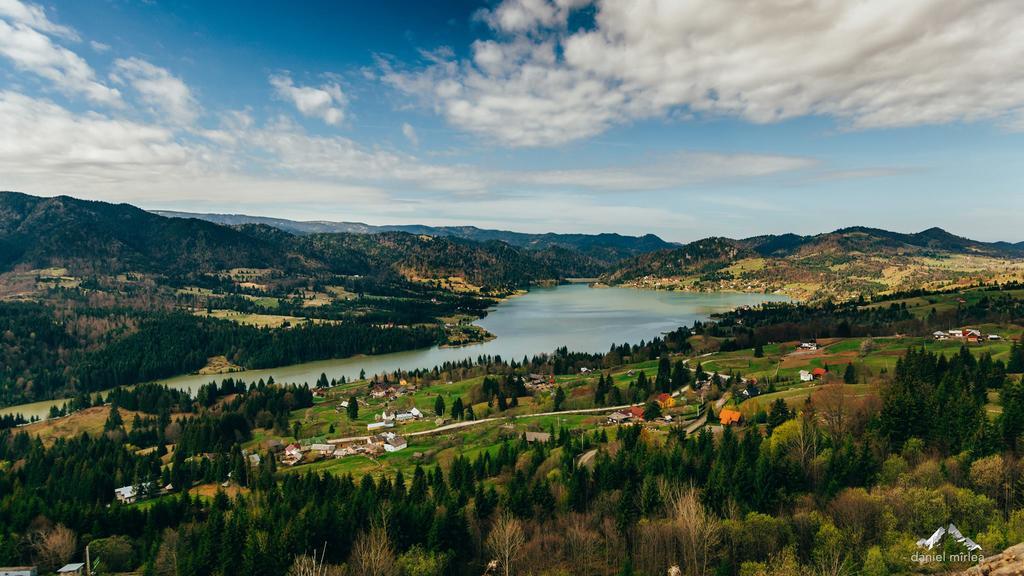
[[165, 93], [326, 102], [869, 64], [31, 50]]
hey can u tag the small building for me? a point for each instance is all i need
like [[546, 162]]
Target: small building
[[994, 337], [380, 425], [819, 373], [324, 449], [130, 494], [806, 376], [76, 568], [665, 400], [18, 571], [394, 443], [808, 345], [728, 417], [584, 370], [293, 451], [956, 333], [636, 412], [254, 460], [618, 417], [542, 437], [274, 445], [940, 335]]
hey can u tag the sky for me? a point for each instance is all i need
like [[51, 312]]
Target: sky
[[682, 118]]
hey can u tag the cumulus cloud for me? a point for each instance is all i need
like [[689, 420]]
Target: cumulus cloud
[[34, 17], [43, 138], [869, 64], [31, 50], [166, 94], [326, 102]]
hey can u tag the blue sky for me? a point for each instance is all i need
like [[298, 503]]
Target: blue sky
[[685, 118]]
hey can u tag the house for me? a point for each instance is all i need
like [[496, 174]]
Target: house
[[956, 333], [254, 460], [324, 449], [394, 443], [818, 373], [808, 345], [636, 412], [18, 571], [584, 370], [344, 404], [76, 568], [728, 416], [994, 337], [542, 437], [293, 451], [274, 445], [131, 494], [380, 425], [665, 400], [940, 335], [618, 417]]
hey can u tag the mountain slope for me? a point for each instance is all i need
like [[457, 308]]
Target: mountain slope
[[111, 238]]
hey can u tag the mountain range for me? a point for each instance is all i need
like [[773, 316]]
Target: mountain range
[[99, 237], [607, 247]]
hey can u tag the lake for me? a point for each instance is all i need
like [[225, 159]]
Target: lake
[[575, 315]]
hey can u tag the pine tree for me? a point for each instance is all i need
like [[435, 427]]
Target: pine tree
[[559, 398], [850, 375], [353, 408], [439, 405]]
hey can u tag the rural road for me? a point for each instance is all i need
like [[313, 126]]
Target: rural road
[[467, 423]]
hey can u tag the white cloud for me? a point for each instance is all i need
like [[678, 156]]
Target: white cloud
[[99, 46], [43, 139], [33, 51], [326, 102], [34, 17], [410, 134], [869, 64], [166, 94]]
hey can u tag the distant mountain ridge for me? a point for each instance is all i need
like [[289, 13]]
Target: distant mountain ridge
[[101, 238], [607, 247]]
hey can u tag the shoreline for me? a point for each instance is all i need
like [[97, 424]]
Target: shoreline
[[298, 372]]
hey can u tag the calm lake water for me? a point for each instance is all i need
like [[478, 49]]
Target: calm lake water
[[583, 318]]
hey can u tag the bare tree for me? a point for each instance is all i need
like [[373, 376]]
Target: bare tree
[[306, 565], [505, 542], [54, 547], [834, 410], [372, 554], [697, 529]]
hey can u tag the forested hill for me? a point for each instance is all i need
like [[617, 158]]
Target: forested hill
[[605, 247], [103, 238], [837, 265], [98, 238]]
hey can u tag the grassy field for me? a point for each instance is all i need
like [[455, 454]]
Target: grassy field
[[89, 421]]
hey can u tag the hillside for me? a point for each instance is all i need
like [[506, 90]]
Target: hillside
[[605, 247], [98, 238], [840, 265]]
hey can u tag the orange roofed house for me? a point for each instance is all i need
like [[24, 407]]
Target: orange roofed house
[[819, 373], [728, 416]]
